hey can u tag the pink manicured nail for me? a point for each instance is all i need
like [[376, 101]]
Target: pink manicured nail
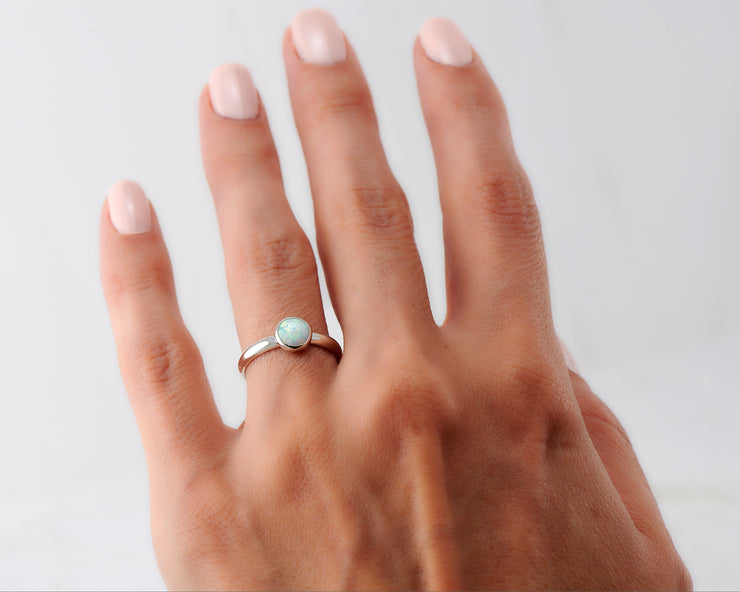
[[317, 38], [569, 361], [444, 42], [129, 208], [232, 92]]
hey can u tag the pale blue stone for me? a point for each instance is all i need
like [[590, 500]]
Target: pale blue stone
[[294, 332]]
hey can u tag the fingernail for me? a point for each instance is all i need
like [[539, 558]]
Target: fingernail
[[444, 42], [232, 92], [317, 37], [129, 208], [569, 361]]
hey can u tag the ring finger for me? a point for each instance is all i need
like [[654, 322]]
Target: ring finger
[[270, 266]]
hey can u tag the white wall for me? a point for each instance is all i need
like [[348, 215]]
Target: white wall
[[625, 115]]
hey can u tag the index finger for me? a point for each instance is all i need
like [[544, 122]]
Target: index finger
[[161, 366]]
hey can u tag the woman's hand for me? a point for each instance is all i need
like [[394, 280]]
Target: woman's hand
[[461, 456]]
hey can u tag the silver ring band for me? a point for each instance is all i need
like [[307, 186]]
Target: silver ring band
[[292, 334]]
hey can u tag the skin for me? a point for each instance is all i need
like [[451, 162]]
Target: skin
[[459, 456]]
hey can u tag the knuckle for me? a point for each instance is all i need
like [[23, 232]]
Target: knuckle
[[415, 402], [153, 276], [411, 395], [505, 201], [292, 472], [203, 502], [240, 158], [283, 252], [380, 207], [474, 102], [162, 359], [528, 372], [207, 520], [348, 100], [535, 403], [601, 421]]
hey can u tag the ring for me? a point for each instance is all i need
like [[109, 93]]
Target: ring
[[293, 334]]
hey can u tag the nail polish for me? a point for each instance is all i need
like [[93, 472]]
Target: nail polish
[[129, 208], [317, 37], [233, 94], [444, 42]]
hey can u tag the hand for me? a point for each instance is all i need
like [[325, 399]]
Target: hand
[[461, 456]]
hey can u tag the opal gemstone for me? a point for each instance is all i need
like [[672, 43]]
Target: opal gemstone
[[293, 332]]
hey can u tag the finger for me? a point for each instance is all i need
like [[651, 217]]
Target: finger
[[160, 364], [494, 252], [618, 457], [363, 224], [270, 267], [615, 450]]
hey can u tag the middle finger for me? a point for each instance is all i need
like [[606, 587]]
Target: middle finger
[[363, 224]]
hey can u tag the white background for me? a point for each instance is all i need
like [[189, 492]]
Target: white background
[[625, 114]]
